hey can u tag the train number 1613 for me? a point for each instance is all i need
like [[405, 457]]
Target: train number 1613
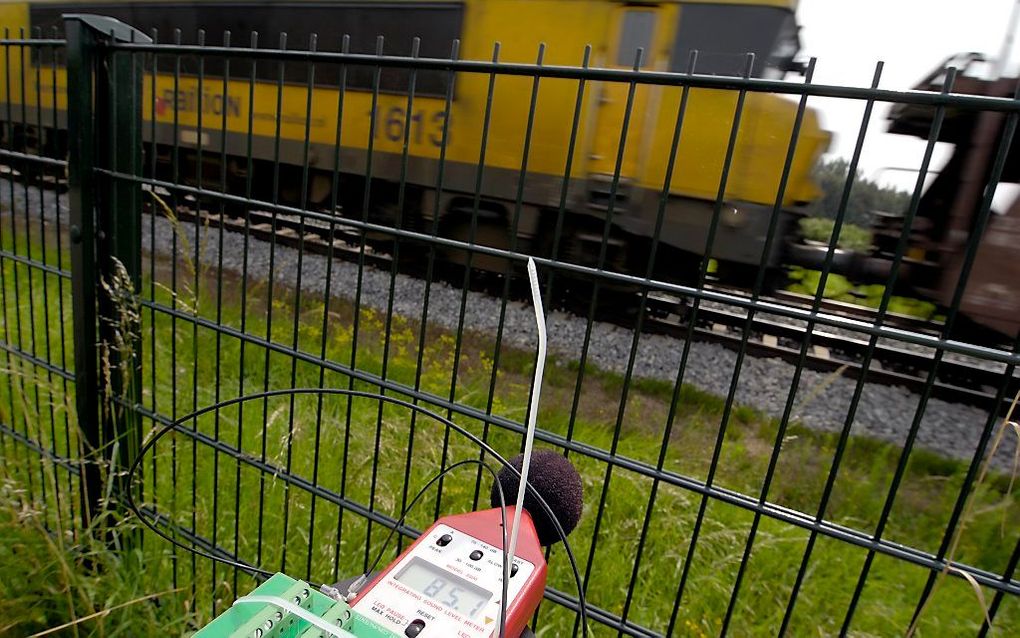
[[425, 126]]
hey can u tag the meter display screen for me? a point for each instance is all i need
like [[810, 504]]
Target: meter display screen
[[445, 588]]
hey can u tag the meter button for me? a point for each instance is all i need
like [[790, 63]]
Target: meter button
[[414, 628], [513, 570], [476, 555], [444, 540]]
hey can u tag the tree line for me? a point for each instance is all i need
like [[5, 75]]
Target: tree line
[[866, 196]]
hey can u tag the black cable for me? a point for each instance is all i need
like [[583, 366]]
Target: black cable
[[582, 605], [226, 561], [173, 541], [502, 512]]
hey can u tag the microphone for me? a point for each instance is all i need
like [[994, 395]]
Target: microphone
[[559, 484]]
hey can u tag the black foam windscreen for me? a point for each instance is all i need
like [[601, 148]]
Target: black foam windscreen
[[557, 481]]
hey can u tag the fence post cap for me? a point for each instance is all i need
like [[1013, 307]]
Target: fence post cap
[[109, 27]]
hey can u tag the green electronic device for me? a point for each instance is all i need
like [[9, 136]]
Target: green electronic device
[[283, 607]]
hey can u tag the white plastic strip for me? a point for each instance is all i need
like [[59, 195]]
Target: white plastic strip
[[536, 391], [298, 611]]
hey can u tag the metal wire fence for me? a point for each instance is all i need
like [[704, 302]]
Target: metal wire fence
[[241, 219]]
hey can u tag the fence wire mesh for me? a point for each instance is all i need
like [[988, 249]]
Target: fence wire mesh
[[360, 220]]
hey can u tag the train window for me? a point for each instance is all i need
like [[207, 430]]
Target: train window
[[635, 33], [437, 23], [723, 35]]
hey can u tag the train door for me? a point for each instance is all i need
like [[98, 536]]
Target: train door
[[631, 28]]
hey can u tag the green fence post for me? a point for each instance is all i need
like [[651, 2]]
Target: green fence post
[[104, 123]]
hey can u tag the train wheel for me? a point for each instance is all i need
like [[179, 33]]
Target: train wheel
[[579, 244], [745, 276], [488, 232]]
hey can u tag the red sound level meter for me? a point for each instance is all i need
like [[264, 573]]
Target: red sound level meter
[[449, 582]]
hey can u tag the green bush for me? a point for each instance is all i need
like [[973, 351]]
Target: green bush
[[807, 282], [839, 288], [851, 237]]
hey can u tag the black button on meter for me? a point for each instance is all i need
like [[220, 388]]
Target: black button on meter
[[414, 628], [444, 540], [476, 555]]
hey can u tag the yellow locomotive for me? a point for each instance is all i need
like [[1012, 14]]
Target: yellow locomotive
[[195, 117]]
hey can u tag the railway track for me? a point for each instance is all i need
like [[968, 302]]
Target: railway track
[[956, 380]]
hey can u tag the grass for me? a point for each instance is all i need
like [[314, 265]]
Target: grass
[[74, 585], [350, 446]]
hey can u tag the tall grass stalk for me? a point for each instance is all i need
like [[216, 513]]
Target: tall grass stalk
[[1005, 426]]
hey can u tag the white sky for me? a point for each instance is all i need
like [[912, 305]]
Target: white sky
[[911, 37]]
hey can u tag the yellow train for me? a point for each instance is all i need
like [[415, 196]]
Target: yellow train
[[190, 117]]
